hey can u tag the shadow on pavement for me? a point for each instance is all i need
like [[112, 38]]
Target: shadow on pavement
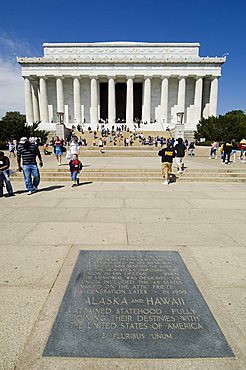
[[48, 188]]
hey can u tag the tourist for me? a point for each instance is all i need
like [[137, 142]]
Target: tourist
[[167, 154], [242, 147], [4, 175], [27, 152], [180, 150], [11, 146], [58, 150], [100, 145], [234, 150], [213, 150], [191, 149], [74, 146], [227, 149], [75, 168]]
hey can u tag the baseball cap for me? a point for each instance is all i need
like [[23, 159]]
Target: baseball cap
[[23, 140]]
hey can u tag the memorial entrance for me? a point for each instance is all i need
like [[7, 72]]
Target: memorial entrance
[[120, 99]]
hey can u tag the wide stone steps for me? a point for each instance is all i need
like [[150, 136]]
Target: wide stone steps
[[141, 175]]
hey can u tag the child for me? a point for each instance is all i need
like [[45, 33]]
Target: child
[[4, 175], [75, 168]]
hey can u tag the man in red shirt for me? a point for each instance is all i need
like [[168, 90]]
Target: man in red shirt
[[75, 168]]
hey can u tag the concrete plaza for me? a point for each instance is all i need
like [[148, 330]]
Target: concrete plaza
[[41, 235]]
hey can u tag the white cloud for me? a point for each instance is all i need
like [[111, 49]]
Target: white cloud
[[11, 87], [11, 82]]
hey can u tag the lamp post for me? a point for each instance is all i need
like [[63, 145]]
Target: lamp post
[[180, 116]]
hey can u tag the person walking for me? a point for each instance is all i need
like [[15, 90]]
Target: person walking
[[213, 150], [75, 168], [180, 150], [58, 150], [167, 154], [11, 146], [27, 153], [74, 146], [191, 149], [4, 175], [227, 149], [100, 145], [234, 150]]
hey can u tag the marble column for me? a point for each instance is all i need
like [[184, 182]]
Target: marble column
[[129, 101], [28, 101], [44, 113], [213, 97], [94, 102], [77, 100], [60, 95], [181, 95], [198, 100], [35, 102], [111, 101], [147, 100], [164, 100]]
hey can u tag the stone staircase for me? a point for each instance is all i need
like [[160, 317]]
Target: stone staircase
[[141, 175]]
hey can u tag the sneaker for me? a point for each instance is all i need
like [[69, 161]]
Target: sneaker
[[35, 188], [29, 192], [166, 183], [73, 185]]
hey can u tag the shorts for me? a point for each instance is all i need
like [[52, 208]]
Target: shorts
[[58, 151], [166, 168], [179, 159]]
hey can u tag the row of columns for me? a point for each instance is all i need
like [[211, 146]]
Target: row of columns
[[36, 99]]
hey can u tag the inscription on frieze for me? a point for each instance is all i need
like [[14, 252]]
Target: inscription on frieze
[[134, 304]]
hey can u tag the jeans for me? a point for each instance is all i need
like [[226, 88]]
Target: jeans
[[4, 178], [226, 157], [74, 176], [30, 170]]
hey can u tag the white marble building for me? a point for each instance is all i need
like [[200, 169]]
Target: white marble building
[[153, 82]]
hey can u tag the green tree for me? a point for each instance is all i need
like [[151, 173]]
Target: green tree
[[13, 126], [230, 126]]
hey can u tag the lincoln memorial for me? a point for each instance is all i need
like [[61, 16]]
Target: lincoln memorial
[[161, 84]]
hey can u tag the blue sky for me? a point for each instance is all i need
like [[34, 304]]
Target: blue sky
[[218, 25]]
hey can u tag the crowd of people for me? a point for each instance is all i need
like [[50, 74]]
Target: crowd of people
[[228, 150], [27, 151]]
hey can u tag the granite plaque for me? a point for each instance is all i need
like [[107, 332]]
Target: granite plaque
[[134, 304]]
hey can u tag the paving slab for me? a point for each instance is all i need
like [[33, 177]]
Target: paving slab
[[26, 215], [27, 265], [85, 233], [236, 232], [91, 203], [19, 310], [226, 204], [222, 267], [157, 203], [14, 234], [177, 234]]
